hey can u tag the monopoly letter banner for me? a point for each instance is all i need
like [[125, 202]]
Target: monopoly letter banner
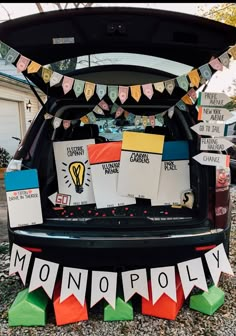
[[20, 259]]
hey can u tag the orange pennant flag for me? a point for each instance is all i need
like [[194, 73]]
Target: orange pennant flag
[[33, 67], [187, 99], [136, 92], [84, 119], [194, 78], [89, 89]]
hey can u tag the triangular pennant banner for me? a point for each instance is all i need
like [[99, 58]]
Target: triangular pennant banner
[[113, 92], [101, 90], [126, 114], [11, 56], [205, 71], [159, 86], [20, 260], [232, 52], [119, 112], [144, 121], [56, 122], [194, 78], [103, 105], [46, 74], [131, 118], [181, 105], [55, 78], [171, 112], [84, 119], [216, 64], [183, 82], [136, 92], [103, 286], [89, 89], [163, 282], [137, 120], [123, 93], [48, 116], [91, 117], [97, 109], [4, 48], [187, 100], [152, 120], [135, 282], [67, 84], [33, 67], [148, 90], [22, 63], [66, 124], [78, 87], [114, 108], [193, 94], [170, 85], [224, 58]]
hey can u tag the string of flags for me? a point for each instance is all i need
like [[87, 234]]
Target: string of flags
[[187, 82]]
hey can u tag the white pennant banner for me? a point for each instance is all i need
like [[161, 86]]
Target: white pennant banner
[[218, 262], [20, 259], [135, 282], [43, 275], [192, 274], [74, 281], [103, 286], [163, 281]]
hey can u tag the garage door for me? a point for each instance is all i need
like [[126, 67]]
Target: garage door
[[9, 125]]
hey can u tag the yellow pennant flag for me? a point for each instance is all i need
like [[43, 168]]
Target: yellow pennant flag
[[46, 74], [187, 100], [159, 86], [89, 89], [84, 119], [33, 67], [232, 51], [194, 78], [136, 92]]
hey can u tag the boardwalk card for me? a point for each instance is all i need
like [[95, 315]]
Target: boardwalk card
[[73, 170], [105, 164], [23, 198], [174, 173], [140, 165]]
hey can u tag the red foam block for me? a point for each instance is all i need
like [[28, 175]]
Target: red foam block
[[70, 310], [165, 307]]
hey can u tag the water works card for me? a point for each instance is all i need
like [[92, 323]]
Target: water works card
[[174, 173], [73, 170], [140, 164], [23, 198], [105, 164]]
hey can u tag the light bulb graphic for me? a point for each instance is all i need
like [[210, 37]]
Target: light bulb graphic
[[77, 170]]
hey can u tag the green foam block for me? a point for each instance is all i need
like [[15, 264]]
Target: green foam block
[[208, 302], [122, 312], [28, 309]]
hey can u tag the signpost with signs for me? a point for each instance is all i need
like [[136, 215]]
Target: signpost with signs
[[210, 129], [212, 159], [213, 114], [215, 144], [213, 99]]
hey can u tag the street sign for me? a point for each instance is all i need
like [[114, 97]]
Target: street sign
[[210, 129], [215, 144], [213, 99], [212, 159], [213, 114]]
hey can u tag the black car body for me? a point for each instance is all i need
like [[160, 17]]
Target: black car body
[[140, 234]]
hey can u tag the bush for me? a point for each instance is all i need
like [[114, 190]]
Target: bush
[[5, 157]]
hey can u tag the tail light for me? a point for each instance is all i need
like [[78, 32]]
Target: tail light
[[222, 198]]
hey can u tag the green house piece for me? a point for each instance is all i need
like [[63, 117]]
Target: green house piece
[[28, 309], [122, 312], [207, 302]]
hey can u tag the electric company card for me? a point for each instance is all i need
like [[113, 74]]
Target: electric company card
[[23, 198], [73, 170], [175, 176], [105, 164], [140, 164]]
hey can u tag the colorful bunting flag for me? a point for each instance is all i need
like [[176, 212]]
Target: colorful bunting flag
[[46, 74], [152, 120], [183, 82], [33, 67], [104, 105], [55, 78], [101, 90], [67, 84], [194, 78], [48, 116], [97, 109], [224, 58], [91, 117], [84, 119], [137, 120], [89, 89], [119, 112], [113, 92], [11, 56], [144, 121], [170, 85], [136, 92], [216, 64], [126, 114], [232, 51], [181, 105], [193, 94], [123, 93], [114, 108], [159, 86], [56, 122], [205, 71], [78, 87], [4, 48], [171, 112], [22, 63], [131, 118], [187, 100], [148, 90]]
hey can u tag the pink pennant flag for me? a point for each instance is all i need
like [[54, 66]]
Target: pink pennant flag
[[152, 120], [148, 90], [123, 93], [216, 64], [119, 112], [67, 84], [103, 105], [193, 94], [66, 124], [22, 63]]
